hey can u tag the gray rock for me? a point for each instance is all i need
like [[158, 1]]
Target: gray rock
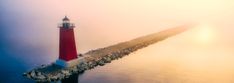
[[32, 74], [40, 77], [101, 63]]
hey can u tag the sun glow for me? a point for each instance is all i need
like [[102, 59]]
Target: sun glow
[[205, 33]]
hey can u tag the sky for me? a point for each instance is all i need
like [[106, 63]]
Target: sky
[[28, 28]]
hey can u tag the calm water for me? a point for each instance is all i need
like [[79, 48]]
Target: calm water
[[29, 38], [179, 59]]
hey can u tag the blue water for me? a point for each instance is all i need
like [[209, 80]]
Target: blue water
[[17, 58]]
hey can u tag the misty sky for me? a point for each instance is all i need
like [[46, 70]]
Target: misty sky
[[28, 28]]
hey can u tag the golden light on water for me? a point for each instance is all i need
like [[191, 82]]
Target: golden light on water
[[203, 54], [204, 33]]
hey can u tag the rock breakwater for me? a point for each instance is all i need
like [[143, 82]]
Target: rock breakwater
[[99, 57]]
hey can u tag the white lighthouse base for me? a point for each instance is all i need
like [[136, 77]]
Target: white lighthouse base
[[64, 63]]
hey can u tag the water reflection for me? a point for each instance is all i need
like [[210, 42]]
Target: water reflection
[[72, 79], [178, 59]]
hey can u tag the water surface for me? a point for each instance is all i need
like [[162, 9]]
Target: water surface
[[179, 59]]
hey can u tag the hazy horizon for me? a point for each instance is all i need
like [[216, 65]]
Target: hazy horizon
[[29, 28]]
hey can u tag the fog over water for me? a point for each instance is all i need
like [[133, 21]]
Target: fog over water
[[174, 60], [29, 33]]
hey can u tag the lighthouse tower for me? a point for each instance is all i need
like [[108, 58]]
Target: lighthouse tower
[[67, 46]]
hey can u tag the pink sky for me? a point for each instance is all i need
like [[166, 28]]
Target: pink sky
[[105, 22]]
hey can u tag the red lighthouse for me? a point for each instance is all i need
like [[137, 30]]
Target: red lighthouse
[[67, 46]]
